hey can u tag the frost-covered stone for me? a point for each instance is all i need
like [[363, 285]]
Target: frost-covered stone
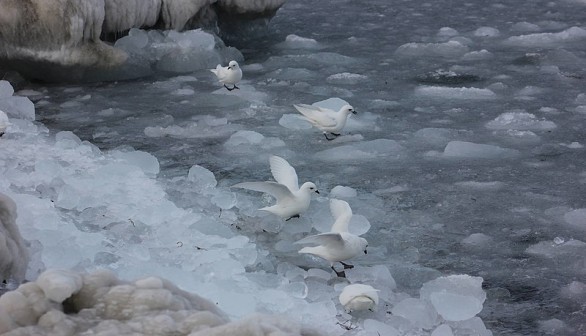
[[455, 297]]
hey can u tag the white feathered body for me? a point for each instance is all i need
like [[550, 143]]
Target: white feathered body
[[358, 297], [325, 119], [291, 199], [334, 246], [232, 74]]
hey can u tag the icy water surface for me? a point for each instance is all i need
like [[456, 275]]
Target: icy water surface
[[467, 153]]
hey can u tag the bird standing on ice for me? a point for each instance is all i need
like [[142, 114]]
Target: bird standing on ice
[[328, 121], [358, 297], [338, 244], [232, 74], [291, 199], [4, 123]]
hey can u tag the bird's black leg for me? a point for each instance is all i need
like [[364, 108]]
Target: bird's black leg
[[227, 88], [294, 216], [346, 266], [235, 87], [326, 135], [336, 134], [340, 274], [1, 134]]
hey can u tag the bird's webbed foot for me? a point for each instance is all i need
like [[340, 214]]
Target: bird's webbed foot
[[346, 266], [340, 274]]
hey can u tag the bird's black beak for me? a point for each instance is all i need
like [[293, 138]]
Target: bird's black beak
[[365, 252], [229, 68], [317, 192], [354, 112]]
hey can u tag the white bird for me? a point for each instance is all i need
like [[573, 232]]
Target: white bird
[[358, 297], [291, 199], [328, 121], [232, 74], [338, 244], [4, 123]]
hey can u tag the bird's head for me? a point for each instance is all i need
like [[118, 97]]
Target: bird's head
[[363, 245], [348, 109], [233, 65], [309, 187]]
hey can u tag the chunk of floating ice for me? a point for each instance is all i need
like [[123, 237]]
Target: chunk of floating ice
[[346, 78], [454, 93], [419, 312], [442, 330], [477, 241], [202, 177], [294, 122], [473, 326], [447, 32], [575, 291], [554, 327], [455, 297], [489, 186], [570, 35], [462, 149], [367, 150], [145, 161], [479, 55], [293, 41], [576, 218], [380, 328], [549, 249], [378, 276], [343, 192], [525, 27], [450, 49], [6, 90], [18, 107], [486, 32]]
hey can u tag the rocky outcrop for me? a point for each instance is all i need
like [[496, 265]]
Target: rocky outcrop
[[51, 39], [66, 303]]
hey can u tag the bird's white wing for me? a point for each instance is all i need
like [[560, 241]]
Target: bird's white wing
[[217, 70], [342, 213], [284, 173], [278, 191], [330, 239], [316, 115]]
